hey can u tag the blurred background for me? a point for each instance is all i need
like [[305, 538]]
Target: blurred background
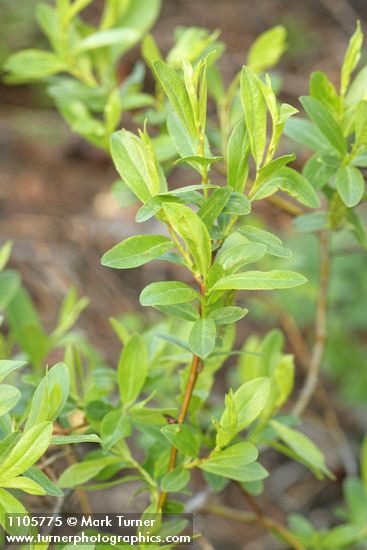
[[55, 201]]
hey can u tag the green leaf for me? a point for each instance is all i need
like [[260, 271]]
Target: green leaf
[[115, 426], [9, 397], [132, 369], [187, 312], [304, 449], [235, 257], [254, 107], [137, 164], [326, 123], [213, 206], [175, 480], [260, 280], [77, 474], [110, 37], [249, 400], [192, 231], [5, 252], [311, 222], [39, 477], [167, 293], [177, 95], [304, 132], [318, 172], [351, 58], [75, 438], [272, 242], [9, 284], [361, 123], [183, 438], [136, 251], [355, 496], [9, 505], [350, 185], [228, 315], [231, 462], [238, 205], [202, 337], [27, 451], [8, 366], [324, 91], [237, 157], [32, 64], [267, 49], [23, 484], [50, 396], [292, 182]]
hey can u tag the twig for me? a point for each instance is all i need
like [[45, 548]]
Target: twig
[[196, 366], [80, 493], [317, 353], [248, 517], [331, 418]]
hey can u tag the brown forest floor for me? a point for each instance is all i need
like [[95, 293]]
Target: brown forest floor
[[54, 189]]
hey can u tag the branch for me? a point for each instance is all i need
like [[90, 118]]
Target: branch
[[266, 522], [196, 366], [317, 353]]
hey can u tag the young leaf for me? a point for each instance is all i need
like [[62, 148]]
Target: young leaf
[[192, 231], [136, 251], [30, 65], [237, 157], [249, 400], [304, 132], [350, 185], [214, 205], [167, 293], [27, 451], [137, 164], [132, 369], [115, 426], [24, 484], [175, 480], [9, 397], [50, 396], [254, 107], [361, 123], [233, 258], [77, 474], [292, 182], [260, 280], [306, 452], [272, 242], [183, 438], [351, 58], [267, 49], [110, 37], [9, 284], [187, 312], [326, 123], [7, 367], [39, 477], [231, 462], [202, 337], [177, 95], [228, 315], [75, 438], [238, 204]]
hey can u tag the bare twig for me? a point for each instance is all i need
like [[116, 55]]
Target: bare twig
[[317, 353]]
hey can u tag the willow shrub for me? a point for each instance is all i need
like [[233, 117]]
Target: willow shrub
[[160, 395]]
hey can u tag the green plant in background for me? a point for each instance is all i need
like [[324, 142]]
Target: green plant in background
[[209, 231], [82, 68]]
